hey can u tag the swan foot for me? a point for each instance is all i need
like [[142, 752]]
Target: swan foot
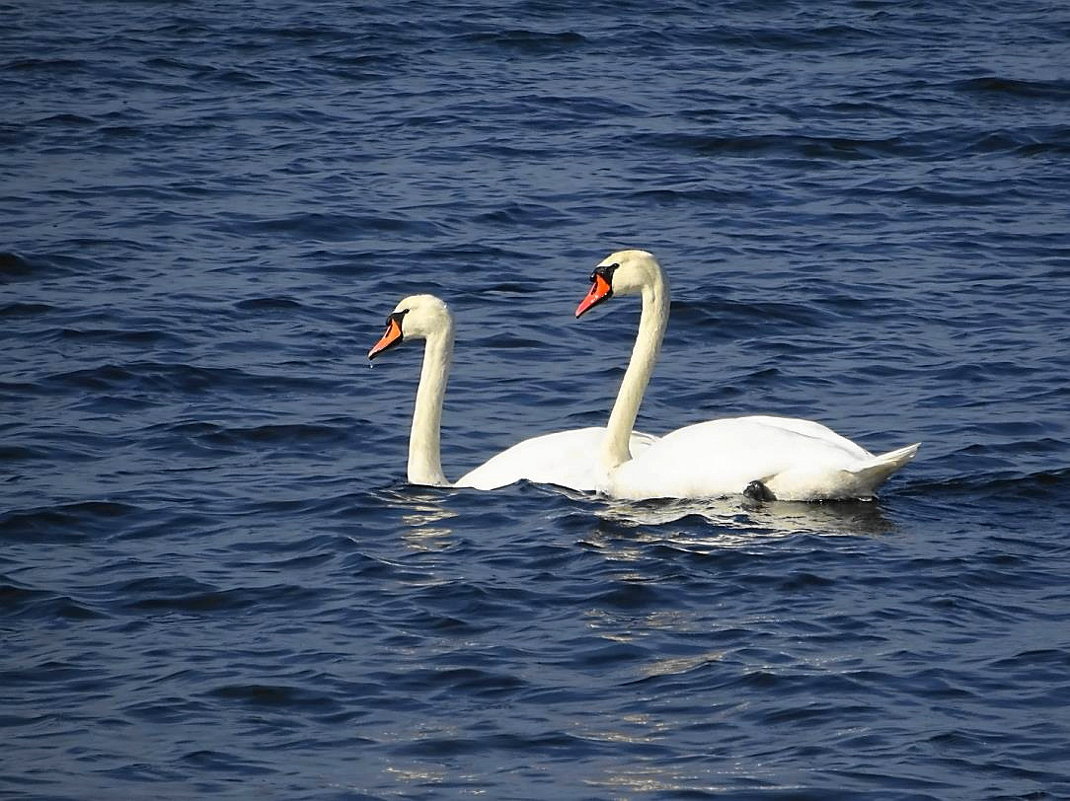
[[757, 491]]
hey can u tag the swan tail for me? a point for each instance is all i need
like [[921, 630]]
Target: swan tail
[[874, 472]]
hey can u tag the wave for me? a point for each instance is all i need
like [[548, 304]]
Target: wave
[[25, 309], [1036, 487], [318, 226], [160, 594], [132, 337], [44, 605], [838, 148], [169, 378], [276, 696], [527, 41], [56, 66], [15, 267], [1058, 90], [295, 435], [70, 523], [935, 144], [277, 303], [36, 266]]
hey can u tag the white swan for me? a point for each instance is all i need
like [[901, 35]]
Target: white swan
[[766, 457], [566, 458]]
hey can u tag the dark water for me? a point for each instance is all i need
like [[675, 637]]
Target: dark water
[[214, 581]]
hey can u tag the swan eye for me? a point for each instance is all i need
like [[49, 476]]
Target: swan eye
[[606, 271]]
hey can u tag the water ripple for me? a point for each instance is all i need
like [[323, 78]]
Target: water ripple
[[215, 580]]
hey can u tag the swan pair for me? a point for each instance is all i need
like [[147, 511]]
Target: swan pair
[[764, 457]]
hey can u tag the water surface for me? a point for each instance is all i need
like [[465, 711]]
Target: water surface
[[213, 577]]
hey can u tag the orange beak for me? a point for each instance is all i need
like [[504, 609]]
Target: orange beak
[[600, 290], [393, 336]]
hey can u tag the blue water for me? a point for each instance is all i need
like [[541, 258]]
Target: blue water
[[214, 580]]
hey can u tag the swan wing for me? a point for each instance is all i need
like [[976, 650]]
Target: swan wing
[[805, 428], [565, 458]]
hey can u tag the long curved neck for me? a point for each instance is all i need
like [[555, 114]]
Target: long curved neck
[[652, 322], [425, 460]]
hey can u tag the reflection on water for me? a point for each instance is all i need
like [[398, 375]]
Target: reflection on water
[[721, 522], [689, 781], [635, 728], [742, 519], [422, 516], [610, 625], [678, 665]]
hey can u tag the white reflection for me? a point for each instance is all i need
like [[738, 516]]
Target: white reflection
[[736, 519], [677, 665], [657, 779], [423, 516]]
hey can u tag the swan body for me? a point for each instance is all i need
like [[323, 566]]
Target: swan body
[[566, 458], [785, 458], [723, 457]]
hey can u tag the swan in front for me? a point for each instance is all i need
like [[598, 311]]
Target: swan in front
[[565, 458], [765, 457]]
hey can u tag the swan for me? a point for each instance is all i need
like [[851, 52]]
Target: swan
[[764, 457], [566, 458]]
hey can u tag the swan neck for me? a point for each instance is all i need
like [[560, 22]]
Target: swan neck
[[425, 460], [652, 322]]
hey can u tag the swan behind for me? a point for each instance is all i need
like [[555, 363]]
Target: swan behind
[[565, 458]]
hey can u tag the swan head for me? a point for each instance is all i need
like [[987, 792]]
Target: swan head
[[415, 317], [626, 272]]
